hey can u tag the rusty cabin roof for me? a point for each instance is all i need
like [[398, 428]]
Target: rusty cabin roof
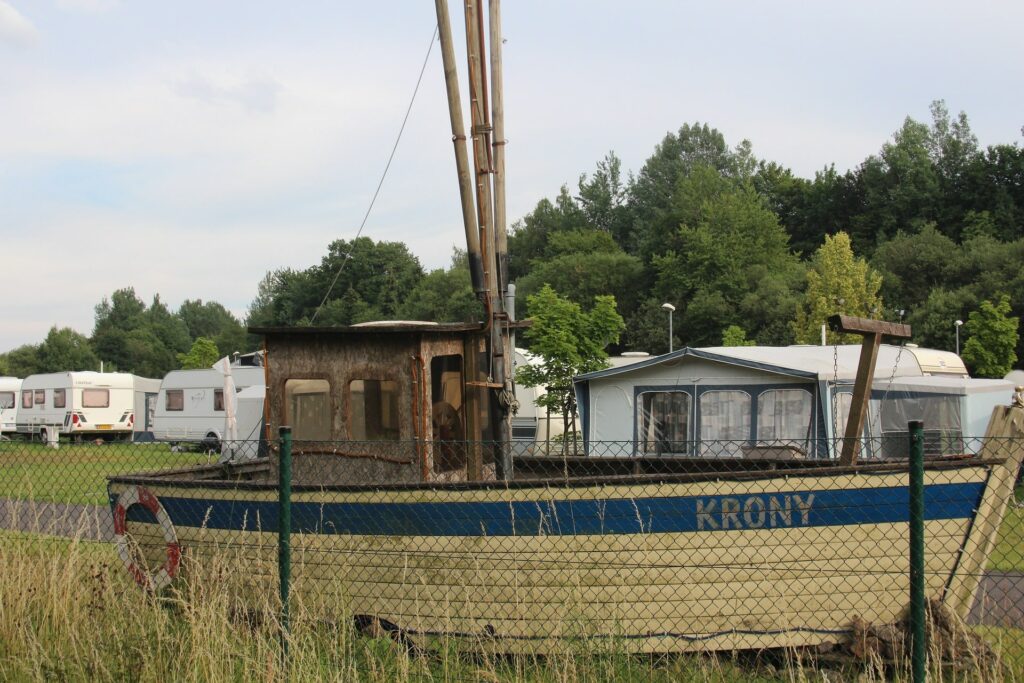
[[383, 327]]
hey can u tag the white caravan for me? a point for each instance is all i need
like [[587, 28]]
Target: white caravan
[[82, 404], [9, 388], [190, 406]]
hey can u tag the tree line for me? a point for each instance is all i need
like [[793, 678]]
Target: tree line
[[129, 336], [928, 231]]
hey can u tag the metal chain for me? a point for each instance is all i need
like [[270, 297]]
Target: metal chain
[[835, 394], [892, 377]]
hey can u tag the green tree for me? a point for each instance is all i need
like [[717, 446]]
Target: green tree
[[581, 264], [115, 319], [203, 354], [838, 282], [914, 264], [444, 295], [734, 335], [602, 197], [932, 320], [528, 238], [66, 350], [992, 335], [212, 320], [731, 264], [570, 342], [23, 360], [372, 278]]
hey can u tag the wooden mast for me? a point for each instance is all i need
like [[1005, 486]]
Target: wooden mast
[[488, 227], [498, 145], [480, 129], [872, 331], [451, 79]]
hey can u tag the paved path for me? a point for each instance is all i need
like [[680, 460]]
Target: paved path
[[1000, 600], [92, 522]]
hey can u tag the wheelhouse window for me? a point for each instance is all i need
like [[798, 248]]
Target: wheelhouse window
[[663, 422], [174, 400], [308, 408], [59, 398], [6, 400], [784, 417], [724, 422], [26, 399], [446, 413], [218, 400], [374, 414], [95, 398], [40, 397]]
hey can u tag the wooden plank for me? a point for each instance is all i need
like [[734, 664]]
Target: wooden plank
[[1004, 439], [848, 324], [859, 402]]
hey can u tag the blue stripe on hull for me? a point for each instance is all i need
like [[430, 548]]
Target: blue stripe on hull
[[571, 517]]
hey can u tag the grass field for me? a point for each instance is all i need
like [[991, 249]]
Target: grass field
[[113, 631], [1009, 553], [76, 473]]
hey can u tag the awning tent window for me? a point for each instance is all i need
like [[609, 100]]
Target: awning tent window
[[663, 423], [940, 415], [724, 422], [784, 417]]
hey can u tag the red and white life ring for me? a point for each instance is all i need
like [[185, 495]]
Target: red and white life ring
[[140, 495]]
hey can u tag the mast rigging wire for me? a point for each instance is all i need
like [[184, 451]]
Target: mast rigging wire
[[384, 175]]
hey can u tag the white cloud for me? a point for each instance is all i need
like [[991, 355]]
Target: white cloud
[[14, 27], [255, 94], [87, 5]]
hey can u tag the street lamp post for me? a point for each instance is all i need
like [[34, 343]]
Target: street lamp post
[[957, 325], [670, 308]]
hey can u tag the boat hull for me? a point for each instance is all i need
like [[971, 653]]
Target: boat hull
[[772, 560]]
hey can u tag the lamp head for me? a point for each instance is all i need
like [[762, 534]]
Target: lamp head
[[668, 307]]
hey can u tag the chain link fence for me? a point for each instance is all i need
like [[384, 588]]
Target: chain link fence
[[717, 546]]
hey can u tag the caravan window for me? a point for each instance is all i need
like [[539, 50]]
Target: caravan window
[[59, 398], [664, 422], [6, 400], [374, 414], [784, 416], [308, 408], [218, 400], [40, 398], [26, 399], [95, 398], [724, 422], [174, 400]]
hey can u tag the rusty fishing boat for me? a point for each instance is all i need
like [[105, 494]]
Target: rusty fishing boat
[[414, 508]]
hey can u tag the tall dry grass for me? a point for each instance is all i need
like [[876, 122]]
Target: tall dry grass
[[69, 612]]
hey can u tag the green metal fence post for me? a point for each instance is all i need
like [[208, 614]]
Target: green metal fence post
[[284, 531], [919, 645]]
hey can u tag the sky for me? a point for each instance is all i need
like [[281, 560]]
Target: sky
[[187, 148]]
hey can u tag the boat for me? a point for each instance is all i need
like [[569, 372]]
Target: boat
[[412, 512]]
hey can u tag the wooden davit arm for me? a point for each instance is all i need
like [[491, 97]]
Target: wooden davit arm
[[872, 331]]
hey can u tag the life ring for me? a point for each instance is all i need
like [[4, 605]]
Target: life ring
[[140, 495]]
